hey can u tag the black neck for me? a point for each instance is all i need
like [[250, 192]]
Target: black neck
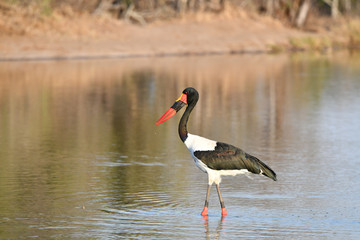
[[183, 133]]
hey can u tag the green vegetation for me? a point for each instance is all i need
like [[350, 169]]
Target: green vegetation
[[45, 6], [311, 43]]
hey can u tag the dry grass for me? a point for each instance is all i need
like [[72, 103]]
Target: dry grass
[[33, 21], [330, 35], [354, 33]]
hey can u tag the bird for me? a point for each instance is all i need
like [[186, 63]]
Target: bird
[[215, 158]]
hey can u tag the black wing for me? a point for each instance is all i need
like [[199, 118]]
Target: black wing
[[228, 157]]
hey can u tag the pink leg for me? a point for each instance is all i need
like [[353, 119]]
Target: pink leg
[[205, 211], [223, 209]]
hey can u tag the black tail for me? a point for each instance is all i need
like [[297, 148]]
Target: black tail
[[267, 171], [263, 168]]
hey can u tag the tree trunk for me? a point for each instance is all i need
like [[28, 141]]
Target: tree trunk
[[347, 6], [303, 13], [199, 5], [270, 8], [181, 6], [222, 5], [334, 8]]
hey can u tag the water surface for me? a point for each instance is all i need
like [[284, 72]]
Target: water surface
[[81, 157]]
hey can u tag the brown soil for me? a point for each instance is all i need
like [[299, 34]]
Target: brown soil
[[26, 34]]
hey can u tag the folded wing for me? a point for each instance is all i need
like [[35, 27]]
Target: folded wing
[[228, 157]]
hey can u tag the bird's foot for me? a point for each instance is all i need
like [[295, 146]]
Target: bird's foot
[[205, 212], [223, 212]]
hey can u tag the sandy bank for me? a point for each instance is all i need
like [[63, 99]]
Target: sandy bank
[[61, 37]]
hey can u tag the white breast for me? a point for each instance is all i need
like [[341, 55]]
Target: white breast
[[197, 143]]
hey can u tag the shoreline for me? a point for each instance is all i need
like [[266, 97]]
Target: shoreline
[[126, 56], [58, 38]]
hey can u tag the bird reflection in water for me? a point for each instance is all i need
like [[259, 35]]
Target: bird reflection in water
[[219, 228]]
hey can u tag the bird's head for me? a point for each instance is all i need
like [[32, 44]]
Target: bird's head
[[188, 97]]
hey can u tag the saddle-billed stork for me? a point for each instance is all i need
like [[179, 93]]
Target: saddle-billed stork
[[212, 157]]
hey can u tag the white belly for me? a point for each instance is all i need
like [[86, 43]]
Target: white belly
[[214, 176]]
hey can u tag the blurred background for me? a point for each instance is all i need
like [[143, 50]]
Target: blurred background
[[97, 28], [295, 12]]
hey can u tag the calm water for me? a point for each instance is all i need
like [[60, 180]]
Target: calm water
[[81, 157]]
